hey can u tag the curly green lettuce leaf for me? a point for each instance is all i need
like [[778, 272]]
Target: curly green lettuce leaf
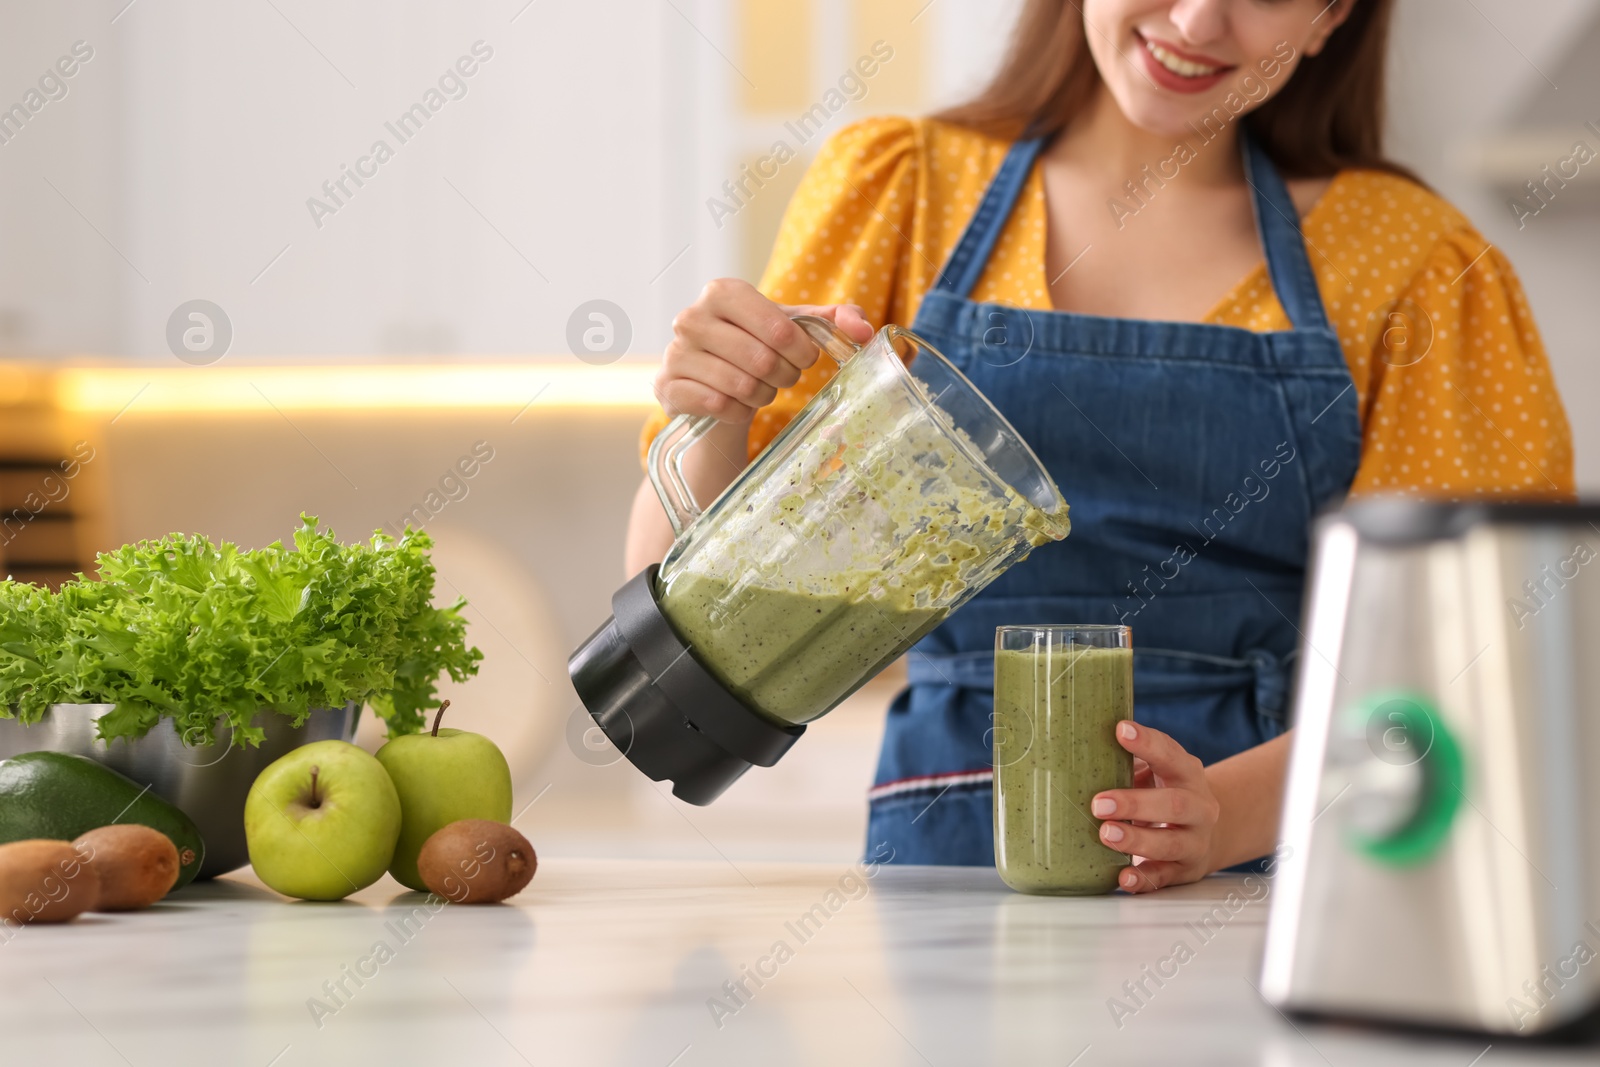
[[208, 635], [32, 628]]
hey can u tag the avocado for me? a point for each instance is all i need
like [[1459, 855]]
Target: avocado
[[61, 796]]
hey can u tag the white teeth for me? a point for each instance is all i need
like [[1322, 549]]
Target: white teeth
[[1177, 65]]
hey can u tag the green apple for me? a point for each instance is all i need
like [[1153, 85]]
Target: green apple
[[322, 821], [442, 776]]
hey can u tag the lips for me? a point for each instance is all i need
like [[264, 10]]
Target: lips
[[1173, 68]]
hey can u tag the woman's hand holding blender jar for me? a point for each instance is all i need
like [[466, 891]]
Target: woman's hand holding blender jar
[[730, 353]]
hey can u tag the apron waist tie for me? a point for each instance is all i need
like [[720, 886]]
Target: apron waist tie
[[1156, 672]]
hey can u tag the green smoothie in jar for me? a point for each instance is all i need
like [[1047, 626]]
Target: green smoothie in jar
[[1059, 692], [845, 555]]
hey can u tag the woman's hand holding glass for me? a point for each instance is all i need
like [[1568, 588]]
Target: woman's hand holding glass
[[1167, 821]]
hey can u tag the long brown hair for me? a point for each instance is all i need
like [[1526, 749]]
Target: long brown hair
[[1329, 117]]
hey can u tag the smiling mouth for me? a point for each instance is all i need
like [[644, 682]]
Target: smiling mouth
[[1182, 67]]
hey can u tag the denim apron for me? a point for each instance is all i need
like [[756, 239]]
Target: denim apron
[[1192, 456]]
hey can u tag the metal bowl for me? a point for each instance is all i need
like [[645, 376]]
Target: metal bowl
[[208, 782]]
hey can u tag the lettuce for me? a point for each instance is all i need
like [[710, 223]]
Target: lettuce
[[208, 634]]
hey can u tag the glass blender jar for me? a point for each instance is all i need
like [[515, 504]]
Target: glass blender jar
[[893, 496]]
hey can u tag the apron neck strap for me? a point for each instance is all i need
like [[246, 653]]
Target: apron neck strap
[[971, 254], [1277, 224]]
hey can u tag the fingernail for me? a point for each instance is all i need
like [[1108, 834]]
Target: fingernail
[[1129, 879], [1126, 731], [1111, 832], [1103, 806]]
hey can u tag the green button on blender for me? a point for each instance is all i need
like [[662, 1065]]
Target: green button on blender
[[1408, 785]]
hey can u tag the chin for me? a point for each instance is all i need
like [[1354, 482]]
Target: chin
[[1166, 118], [1157, 112]]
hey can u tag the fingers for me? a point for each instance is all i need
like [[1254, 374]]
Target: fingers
[[848, 317], [1154, 842], [1167, 819], [741, 304], [685, 396], [1153, 874], [853, 321], [1172, 806], [1167, 759], [759, 361], [714, 367], [733, 349]]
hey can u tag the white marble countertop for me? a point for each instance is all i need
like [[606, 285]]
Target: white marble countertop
[[624, 962]]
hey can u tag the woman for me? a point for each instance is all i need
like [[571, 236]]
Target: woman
[[1166, 243]]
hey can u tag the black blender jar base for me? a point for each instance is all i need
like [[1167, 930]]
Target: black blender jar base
[[661, 708]]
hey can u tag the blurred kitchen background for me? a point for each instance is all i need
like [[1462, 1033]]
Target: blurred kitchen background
[[501, 284]]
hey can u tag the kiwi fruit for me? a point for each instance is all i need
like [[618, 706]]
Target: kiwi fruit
[[476, 861], [137, 866], [45, 881]]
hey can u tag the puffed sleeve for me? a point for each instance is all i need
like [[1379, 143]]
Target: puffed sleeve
[[1460, 402], [841, 242]]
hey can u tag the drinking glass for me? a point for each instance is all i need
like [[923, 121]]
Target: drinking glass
[[1059, 692]]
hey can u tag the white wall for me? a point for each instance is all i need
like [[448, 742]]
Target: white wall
[[1464, 73], [195, 135]]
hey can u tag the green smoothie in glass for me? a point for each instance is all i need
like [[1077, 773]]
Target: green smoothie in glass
[[1059, 692]]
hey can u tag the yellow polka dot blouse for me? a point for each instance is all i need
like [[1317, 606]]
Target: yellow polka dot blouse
[[1455, 391]]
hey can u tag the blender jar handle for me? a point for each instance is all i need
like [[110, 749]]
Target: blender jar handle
[[665, 458]]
